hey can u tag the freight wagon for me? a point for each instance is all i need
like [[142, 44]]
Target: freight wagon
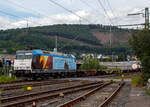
[[39, 63]]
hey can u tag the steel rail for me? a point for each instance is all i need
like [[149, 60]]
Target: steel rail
[[18, 86], [53, 93], [82, 97], [109, 99]]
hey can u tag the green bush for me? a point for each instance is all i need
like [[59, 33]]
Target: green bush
[[90, 63], [148, 91], [137, 81], [140, 43], [1, 69]]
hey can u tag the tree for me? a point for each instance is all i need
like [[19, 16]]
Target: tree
[[90, 63], [140, 43]]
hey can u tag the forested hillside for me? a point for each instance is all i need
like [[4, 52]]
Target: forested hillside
[[70, 38]]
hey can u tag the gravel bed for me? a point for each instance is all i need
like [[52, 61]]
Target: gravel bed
[[21, 91], [99, 79], [95, 99], [138, 98], [122, 97], [68, 98]]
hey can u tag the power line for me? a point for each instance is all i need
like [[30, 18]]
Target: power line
[[111, 8], [105, 11], [146, 16], [12, 15], [131, 24], [91, 7], [19, 5], [70, 11], [112, 11], [110, 26], [34, 11], [87, 4], [9, 14]]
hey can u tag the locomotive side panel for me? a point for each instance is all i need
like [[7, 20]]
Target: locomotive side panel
[[62, 63], [42, 62]]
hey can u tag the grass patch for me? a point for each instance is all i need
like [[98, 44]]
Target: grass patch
[[137, 81], [4, 78]]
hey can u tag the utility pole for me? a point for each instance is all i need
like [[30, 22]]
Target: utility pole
[[27, 25], [146, 18], [111, 44], [56, 43], [80, 21]]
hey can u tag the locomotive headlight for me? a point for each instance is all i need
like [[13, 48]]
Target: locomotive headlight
[[134, 66]]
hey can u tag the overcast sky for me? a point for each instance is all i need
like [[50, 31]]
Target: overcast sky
[[16, 13]]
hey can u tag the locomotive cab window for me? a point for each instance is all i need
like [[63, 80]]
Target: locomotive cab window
[[20, 56], [24, 56]]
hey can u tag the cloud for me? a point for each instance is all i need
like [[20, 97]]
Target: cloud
[[5, 23], [119, 16], [48, 20]]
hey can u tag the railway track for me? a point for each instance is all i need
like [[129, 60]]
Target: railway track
[[30, 97], [110, 98], [103, 103], [2, 83], [37, 88], [19, 85]]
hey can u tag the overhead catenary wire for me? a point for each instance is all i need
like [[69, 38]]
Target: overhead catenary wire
[[70, 11], [140, 12], [32, 10], [21, 6], [9, 14], [113, 13], [86, 3], [111, 9], [111, 23], [38, 13], [12, 15], [100, 3], [132, 24]]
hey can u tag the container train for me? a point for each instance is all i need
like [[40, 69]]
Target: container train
[[37, 63]]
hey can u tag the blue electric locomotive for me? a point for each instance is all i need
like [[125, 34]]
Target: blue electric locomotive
[[39, 63]]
